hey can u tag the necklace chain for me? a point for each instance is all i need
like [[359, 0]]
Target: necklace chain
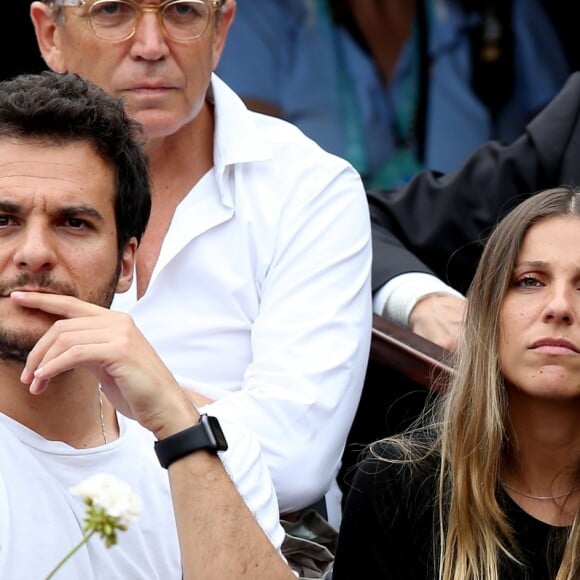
[[102, 415], [540, 497]]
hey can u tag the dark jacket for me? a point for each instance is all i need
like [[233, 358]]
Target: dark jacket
[[438, 223]]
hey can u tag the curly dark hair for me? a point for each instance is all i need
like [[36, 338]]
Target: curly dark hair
[[59, 108]]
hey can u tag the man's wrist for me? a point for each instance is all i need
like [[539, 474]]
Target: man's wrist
[[206, 434], [176, 414], [397, 298]]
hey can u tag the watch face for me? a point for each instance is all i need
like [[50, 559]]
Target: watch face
[[215, 428]]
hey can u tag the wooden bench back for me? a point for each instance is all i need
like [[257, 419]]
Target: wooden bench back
[[401, 377], [411, 355]]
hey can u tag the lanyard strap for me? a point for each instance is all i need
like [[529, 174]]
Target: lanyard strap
[[408, 117], [349, 110]]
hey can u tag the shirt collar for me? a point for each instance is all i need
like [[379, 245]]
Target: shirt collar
[[237, 138]]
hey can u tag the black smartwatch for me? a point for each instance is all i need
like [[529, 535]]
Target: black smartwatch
[[207, 434]]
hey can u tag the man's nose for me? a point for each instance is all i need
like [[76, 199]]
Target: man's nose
[[149, 41], [35, 250]]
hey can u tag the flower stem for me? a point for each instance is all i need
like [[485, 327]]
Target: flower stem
[[85, 539]]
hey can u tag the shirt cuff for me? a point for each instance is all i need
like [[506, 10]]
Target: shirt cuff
[[397, 298]]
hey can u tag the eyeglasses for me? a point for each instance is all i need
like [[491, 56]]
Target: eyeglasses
[[117, 20]]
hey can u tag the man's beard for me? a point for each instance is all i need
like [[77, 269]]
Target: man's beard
[[15, 346]]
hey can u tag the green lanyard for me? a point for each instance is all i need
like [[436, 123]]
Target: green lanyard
[[349, 111], [402, 163]]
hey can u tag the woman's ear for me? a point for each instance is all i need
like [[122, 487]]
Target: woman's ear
[[47, 36]]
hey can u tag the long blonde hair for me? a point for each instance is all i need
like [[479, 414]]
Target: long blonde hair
[[468, 423]]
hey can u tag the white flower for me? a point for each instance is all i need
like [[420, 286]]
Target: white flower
[[111, 506], [113, 495]]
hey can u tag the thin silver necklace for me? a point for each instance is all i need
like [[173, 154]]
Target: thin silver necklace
[[102, 415], [540, 497]]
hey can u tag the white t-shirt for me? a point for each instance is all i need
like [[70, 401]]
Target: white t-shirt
[[40, 520]]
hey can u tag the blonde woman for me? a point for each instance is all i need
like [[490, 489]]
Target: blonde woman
[[487, 485]]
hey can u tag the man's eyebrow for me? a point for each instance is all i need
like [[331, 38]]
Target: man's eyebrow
[[66, 211], [80, 210], [9, 207]]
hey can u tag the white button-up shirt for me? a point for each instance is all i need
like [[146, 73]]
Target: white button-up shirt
[[261, 298]]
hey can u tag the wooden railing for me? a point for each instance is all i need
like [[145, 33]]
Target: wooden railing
[[404, 371], [411, 355]]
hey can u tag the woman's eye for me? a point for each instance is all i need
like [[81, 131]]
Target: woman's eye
[[528, 282]]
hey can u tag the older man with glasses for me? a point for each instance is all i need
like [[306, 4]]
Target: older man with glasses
[[253, 277]]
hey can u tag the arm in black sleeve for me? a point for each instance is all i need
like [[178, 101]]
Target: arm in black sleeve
[[437, 223]]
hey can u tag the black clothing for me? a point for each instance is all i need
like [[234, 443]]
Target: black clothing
[[388, 522], [565, 16]]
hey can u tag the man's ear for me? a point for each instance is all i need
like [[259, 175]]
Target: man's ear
[[47, 36], [222, 29], [127, 266]]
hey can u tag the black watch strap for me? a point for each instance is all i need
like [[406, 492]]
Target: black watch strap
[[207, 434]]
